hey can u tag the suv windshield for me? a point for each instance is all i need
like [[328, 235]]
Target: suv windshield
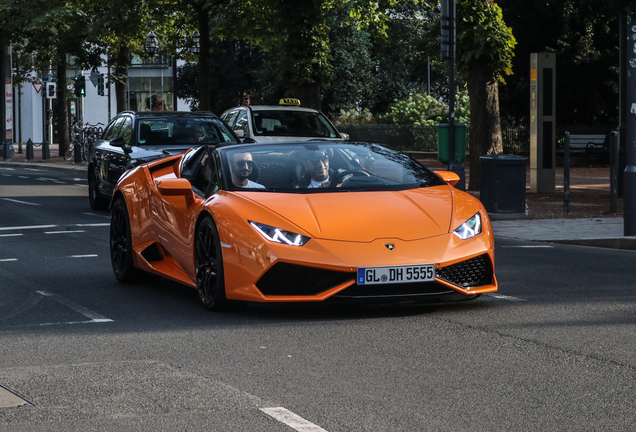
[[187, 131], [292, 122], [321, 167]]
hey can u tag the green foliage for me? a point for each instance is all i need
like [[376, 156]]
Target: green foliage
[[424, 110], [482, 36], [355, 117]]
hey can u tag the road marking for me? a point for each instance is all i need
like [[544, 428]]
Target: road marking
[[529, 246], [64, 232], [27, 227], [93, 316], [8, 259], [84, 256], [93, 225], [505, 297], [21, 202], [11, 235], [292, 420]]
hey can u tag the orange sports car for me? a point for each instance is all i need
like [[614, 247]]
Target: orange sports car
[[301, 222]]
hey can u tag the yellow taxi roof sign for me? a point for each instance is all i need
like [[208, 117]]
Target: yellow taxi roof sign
[[289, 101]]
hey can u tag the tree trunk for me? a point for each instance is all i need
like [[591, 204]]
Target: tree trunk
[[485, 124], [121, 79], [204, 57], [309, 95], [62, 106]]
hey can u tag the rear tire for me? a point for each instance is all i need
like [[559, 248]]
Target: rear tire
[[121, 251], [209, 266], [95, 199]]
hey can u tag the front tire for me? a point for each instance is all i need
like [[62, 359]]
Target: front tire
[[121, 251], [95, 199], [209, 266]]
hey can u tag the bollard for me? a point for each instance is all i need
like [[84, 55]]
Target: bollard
[[8, 151], [46, 151], [29, 151], [77, 153]]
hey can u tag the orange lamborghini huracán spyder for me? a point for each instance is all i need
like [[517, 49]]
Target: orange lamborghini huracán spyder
[[301, 222]]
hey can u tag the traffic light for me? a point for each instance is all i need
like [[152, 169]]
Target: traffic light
[[79, 86], [51, 90], [81, 80], [100, 85]]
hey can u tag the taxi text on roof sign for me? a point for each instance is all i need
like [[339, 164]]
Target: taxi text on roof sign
[[289, 101]]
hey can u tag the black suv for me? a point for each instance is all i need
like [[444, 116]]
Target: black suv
[[132, 138]]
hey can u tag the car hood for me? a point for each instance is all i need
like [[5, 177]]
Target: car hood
[[365, 216], [149, 153], [269, 139]]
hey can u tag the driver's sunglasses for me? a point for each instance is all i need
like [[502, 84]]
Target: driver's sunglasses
[[317, 161]]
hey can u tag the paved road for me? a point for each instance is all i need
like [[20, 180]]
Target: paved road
[[552, 351]]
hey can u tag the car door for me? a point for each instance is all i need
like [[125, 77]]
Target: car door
[[119, 160]]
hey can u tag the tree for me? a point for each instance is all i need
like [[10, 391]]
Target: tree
[[484, 50], [584, 36], [61, 28]]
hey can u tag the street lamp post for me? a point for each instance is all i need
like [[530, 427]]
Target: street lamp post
[[152, 44]]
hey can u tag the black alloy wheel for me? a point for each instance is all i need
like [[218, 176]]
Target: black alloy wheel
[[121, 251], [209, 266], [95, 199]]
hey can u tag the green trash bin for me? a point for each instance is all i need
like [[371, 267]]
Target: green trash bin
[[461, 135]]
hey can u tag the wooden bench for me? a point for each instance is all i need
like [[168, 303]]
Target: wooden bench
[[592, 146]]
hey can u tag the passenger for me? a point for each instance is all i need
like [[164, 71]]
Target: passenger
[[316, 163], [241, 167]]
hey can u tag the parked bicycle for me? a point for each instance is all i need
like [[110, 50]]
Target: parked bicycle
[[84, 137]]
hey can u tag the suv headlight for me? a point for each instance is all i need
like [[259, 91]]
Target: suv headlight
[[470, 228], [278, 235]]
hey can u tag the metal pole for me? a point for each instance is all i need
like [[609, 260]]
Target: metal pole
[[629, 194], [613, 170], [566, 174]]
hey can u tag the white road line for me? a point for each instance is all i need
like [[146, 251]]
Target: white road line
[[292, 420], [64, 232], [93, 316], [530, 246], [84, 256], [21, 202], [8, 259], [104, 224], [11, 235], [26, 227], [505, 297]]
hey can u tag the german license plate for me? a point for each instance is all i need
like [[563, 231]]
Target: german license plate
[[396, 274]]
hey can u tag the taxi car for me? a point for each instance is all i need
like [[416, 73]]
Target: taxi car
[[382, 227], [287, 121], [132, 138]]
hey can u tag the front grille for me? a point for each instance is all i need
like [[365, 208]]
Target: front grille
[[285, 279], [468, 274]]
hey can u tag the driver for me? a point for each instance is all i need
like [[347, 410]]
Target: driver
[[316, 163], [241, 167]]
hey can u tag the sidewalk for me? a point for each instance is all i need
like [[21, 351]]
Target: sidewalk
[[589, 223]]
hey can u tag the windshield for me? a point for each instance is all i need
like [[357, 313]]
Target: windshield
[[183, 131], [292, 122], [321, 167]]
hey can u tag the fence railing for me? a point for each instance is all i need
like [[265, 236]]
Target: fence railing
[[516, 139]]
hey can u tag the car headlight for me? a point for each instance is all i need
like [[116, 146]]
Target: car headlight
[[278, 235], [470, 228]]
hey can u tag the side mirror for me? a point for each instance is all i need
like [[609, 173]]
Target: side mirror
[[120, 142], [344, 136], [176, 187], [448, 176], [240, 133]]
